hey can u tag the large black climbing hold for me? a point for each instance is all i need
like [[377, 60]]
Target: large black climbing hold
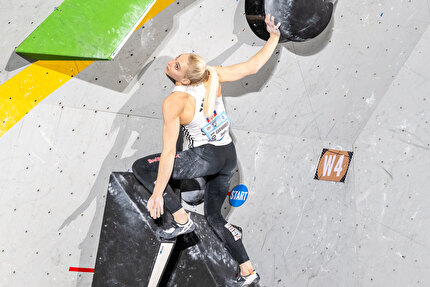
[[129, 251], [301, 20]]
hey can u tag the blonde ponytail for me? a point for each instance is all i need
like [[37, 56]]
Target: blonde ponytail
[[211, 93], [199, 72]]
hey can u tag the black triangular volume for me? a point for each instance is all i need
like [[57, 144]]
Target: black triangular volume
[[128, 245]]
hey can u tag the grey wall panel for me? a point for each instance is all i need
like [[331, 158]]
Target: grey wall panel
[[298, 231], [370, 43], [391, 178], [54, 192], [388, 257]]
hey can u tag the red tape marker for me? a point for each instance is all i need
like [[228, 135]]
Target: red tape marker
[[76, 269]]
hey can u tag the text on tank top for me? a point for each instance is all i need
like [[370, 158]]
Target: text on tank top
[[202, 130]]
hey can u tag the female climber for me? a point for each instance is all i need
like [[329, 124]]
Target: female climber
[[196, 104]]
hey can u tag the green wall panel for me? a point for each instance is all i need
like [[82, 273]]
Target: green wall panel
[[85, 30]]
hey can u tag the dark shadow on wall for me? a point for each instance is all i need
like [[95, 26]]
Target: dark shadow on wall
[[111, 163], [17, 62]]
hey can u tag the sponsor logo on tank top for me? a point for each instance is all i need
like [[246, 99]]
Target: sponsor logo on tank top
[[217, 126]]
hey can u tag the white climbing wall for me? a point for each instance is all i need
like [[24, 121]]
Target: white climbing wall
[[363, 86]]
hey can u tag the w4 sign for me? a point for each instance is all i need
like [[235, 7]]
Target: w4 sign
[[333, 165]]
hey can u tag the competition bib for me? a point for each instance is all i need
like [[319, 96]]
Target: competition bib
[[217, 128]]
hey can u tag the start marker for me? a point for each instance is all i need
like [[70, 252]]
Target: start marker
[[238, 195]]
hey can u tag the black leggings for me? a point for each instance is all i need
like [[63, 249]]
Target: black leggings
[[217, 164]]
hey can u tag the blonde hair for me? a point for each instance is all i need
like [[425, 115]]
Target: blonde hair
[[198, 72]]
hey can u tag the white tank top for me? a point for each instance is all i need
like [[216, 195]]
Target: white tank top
[[202, 130]]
